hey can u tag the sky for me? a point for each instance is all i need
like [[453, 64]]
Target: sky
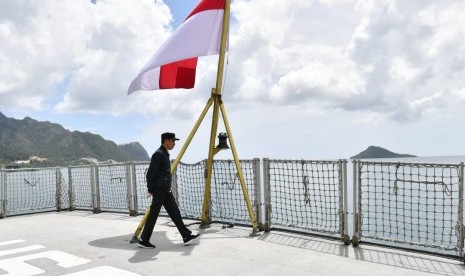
[[305, 79]]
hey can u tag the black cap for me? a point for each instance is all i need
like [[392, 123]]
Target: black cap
[[168, 135]]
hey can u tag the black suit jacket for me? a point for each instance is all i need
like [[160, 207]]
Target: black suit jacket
[[159, 172]]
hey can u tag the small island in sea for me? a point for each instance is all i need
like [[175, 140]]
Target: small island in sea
[[379, 152]]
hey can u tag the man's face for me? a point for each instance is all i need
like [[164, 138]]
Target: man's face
[[170, 143]]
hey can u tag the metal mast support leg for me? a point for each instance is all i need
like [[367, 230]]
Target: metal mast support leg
[[239, 171], [206, 212], [191, 135]]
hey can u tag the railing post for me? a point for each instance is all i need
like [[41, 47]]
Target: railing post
[[267, 193], [174, 184], [70, 189], [257, 193], [131, 188], [346, 205], [460, 213], [340, 173], [2, 193], [95, 188], [58, 199], [209, 211], [134, 184], [343, 225], [356, 202], [206, 221]]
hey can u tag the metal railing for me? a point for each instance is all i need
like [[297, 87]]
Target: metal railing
[[306, 196], [415, 206], [409, 205]]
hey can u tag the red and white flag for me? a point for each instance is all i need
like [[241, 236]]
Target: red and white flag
[[175, 62]]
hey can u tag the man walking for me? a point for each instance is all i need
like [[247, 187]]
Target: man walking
[[159, 186]]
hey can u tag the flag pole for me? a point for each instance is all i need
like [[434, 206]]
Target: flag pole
[[216, 96], [217, 106], [224, 37]]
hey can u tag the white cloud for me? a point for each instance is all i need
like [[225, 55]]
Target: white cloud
[[415, 51], [293, 55], [354, 55], [91, 50], [310, 67]]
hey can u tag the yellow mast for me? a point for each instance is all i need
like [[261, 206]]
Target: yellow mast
[[218, 105], [215, 99]]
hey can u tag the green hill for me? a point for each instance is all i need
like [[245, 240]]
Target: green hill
[[379, 152], [21, 139]]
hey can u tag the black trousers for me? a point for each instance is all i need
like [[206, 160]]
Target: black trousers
[[165, 199]]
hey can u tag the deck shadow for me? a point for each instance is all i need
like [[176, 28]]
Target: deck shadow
[[378, 255], [159, 239]]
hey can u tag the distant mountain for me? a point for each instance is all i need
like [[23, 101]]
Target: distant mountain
[[379, 152], [21, 139], [135, 151]]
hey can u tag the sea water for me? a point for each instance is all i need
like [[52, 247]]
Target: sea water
[[29, 182], [419, 212]]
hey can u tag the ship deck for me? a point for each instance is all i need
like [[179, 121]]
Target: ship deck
[[81, 243]]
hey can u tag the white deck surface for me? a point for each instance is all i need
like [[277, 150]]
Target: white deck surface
[[81, 243]]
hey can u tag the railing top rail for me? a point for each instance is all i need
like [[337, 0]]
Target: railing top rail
[[232, 160], [411, 164], [80, 166], [31, 169], [191, 164], [139, 162], [327, 161], [106, 164], [112, 164]]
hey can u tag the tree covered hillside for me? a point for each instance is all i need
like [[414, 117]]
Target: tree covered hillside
[[21, 139], [378, 152]]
